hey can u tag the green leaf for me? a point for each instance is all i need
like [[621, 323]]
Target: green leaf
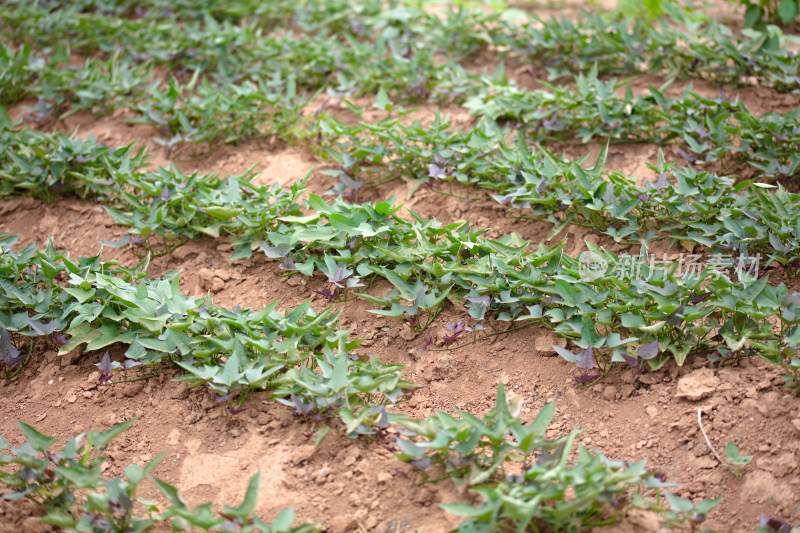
[[101, 439], [322, 432], [382, 101], [283, 522], [753, 15], [249, 504], [37, 440], [5, 120], [543, 419], [463, 509], [732, 451], [80, 294], [109, 333], [678, 504], [706, 506], [407, 291], [385, 208], [169, 492], [136, 473], [230, 372], [222, 213], [787, 10]]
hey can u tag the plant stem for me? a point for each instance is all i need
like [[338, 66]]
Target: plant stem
[[476, 340], [133, 379]]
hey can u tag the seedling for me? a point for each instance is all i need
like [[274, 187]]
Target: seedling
[[686, 512], [735, 459]]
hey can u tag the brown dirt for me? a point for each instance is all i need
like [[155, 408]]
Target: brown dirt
[[358, 483]]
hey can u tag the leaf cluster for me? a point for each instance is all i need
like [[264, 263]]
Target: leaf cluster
[[70, 484], [708, 129], [98, 304], [524, 479]]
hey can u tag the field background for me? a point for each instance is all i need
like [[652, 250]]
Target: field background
[[358, 484]]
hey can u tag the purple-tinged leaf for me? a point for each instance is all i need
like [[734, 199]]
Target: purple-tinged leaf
[[660, 182], [553, 123], [42, 328], [778, 244], [676, 317], [350, 182], [327, 293], [779, 136], [422, 464], [702, 132], [649, 350], [287, 264], [792, 299], [383, 420], [699, 297], [485, 300], [455, 327], [105, 365], [275, 252], [337, 276], [582, 379], [165, 194], [774, 524], [451, 338], [237, 410], [586, 361], [130, 363], [225, 397], [300, 406], [633, 362], [9, 355], [60, 339], [81, 159], [548, 456], [27, 475], [459, 462], [439, 160], [540, 188], [435, 171], [691, 158]]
